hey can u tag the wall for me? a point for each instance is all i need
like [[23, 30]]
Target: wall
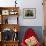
[[39, 13], [27, 4]]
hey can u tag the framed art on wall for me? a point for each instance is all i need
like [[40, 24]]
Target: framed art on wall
[[5, 12], [29, 13]]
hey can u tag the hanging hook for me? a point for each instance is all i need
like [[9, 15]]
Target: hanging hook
[[15, 3]]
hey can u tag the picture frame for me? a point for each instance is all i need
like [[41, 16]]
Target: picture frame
[[29, 13], [5, 12]]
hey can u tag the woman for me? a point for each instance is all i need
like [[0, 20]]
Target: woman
[[30, 39]]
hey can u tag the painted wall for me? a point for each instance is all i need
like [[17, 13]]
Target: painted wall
[[27, 4], [39, 13]]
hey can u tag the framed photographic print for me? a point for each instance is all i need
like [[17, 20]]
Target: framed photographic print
[[5, 12], [29, 13]]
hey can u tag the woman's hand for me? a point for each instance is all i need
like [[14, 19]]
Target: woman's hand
[[32, 41]]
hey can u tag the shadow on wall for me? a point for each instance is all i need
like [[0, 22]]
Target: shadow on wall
[[37, 29]]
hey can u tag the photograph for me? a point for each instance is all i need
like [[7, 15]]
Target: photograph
[[29, 13]]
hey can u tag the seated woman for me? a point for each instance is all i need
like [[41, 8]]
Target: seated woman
[[30, 39]]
